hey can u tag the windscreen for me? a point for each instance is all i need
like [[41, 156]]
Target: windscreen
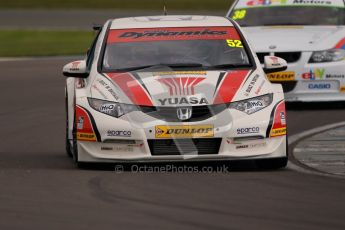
[[289, 12], [201, 47]]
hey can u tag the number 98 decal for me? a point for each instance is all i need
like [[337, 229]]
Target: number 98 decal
[[239, 14], [234, 43]]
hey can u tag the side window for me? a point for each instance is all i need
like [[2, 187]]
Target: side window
[[91, 52]]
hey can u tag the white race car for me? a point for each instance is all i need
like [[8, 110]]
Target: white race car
[[174, 88], [309, 35]]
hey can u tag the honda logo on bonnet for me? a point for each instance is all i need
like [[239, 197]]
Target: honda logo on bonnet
[[184, 113]]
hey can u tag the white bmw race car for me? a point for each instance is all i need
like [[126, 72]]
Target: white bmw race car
[[309, 35], [174, 88]]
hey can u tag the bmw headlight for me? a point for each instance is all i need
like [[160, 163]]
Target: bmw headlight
[[252, 105], [331, 55], [113, 109]]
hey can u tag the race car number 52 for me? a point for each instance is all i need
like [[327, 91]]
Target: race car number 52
[[234, 43]]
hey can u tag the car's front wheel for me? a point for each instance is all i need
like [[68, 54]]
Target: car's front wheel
[[274, 163], [69, 148]]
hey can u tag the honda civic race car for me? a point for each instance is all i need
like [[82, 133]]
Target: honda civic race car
[[309, 35], [174, 88]]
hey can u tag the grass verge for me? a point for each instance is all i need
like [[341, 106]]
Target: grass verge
[[117, 4], [21, 43]]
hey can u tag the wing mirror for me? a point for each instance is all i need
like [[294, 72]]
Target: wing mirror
[[76, 69], [274, 64]]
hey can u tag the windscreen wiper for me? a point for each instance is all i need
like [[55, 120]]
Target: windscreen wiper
[[182, 64], [229, 66]]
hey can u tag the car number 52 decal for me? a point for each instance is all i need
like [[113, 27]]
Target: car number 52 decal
[[234, 43]]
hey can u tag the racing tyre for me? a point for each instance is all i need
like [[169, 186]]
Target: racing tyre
[[67, 142], [274, 163], [80, 165], [270, 164], [75, 146]]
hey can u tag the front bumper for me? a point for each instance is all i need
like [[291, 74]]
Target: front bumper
[[94, 152], [135, 137], [314, 81]]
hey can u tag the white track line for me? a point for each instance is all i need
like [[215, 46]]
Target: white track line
[[297, 137]]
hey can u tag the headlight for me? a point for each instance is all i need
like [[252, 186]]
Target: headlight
[[332, 55], [113, 109], [252, 105]]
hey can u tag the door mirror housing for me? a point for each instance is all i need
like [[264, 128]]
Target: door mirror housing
[[76, 69], [274, 64]]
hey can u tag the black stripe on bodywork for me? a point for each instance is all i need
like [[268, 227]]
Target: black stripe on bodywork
[[93, 123], [268, 131], [220, 79], [245, 44], [102, 51], [137, 77]]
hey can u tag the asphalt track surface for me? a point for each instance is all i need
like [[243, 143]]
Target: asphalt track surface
[[40, 188]]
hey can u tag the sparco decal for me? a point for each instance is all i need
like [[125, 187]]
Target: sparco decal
[[119, 133], [183, 101], [248, 130]]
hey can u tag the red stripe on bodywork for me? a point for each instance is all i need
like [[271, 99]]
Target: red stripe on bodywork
[[341, 44], [131, 87], [230, 86]]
